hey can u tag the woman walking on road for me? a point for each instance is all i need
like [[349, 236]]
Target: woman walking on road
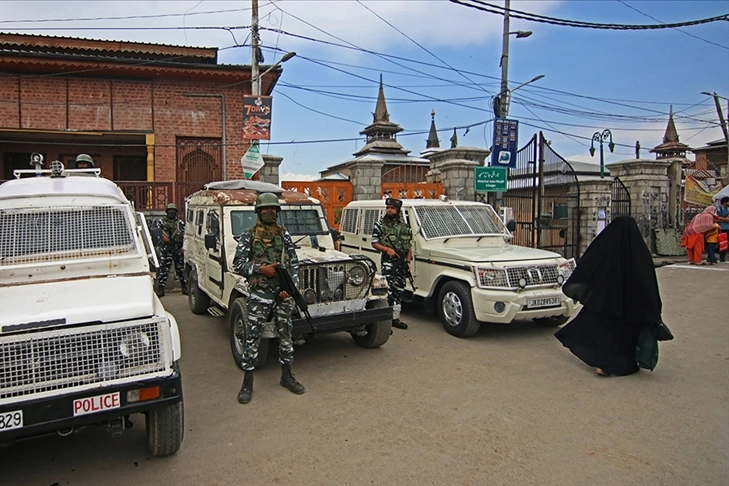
[[616, 283]]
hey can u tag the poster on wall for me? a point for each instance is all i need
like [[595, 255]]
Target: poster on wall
[[257, 117]]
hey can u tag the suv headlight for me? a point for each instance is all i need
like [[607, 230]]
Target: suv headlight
[[492, 277], [357, 276], [565, 269]]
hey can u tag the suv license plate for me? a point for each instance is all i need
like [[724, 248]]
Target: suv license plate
[[543, 302], [11, 420]]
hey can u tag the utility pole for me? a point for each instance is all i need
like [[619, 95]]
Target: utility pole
[[256, 80], [504, 93]]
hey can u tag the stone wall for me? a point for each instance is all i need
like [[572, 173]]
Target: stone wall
[[456, 169]]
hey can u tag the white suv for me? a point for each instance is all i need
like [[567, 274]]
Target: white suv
[[83, 338], [463, 265], [342, 292]]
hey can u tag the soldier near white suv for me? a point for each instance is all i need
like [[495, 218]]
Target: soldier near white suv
[[464, 267], [342, 292], [83, 339]]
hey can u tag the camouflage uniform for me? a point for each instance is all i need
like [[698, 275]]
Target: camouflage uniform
[[396, 235], [262, 245], [168, 253]]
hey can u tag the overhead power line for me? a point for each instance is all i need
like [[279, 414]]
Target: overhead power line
[[496, 9]]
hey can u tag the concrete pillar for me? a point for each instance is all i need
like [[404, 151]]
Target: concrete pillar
[[366, 178], [269, 171], [456, 168], [594, 209], [648, 184]]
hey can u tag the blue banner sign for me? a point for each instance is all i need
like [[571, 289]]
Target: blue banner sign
[[505, 143]]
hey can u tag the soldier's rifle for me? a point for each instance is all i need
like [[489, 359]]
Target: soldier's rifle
[[402, 263], [287, 285]]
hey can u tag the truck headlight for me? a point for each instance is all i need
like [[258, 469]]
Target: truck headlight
[[135, 345], [357, 276], [492, 277], [565, 269]]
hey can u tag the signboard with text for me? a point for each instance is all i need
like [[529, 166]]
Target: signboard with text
[[257, 117], [252, 161], [504, 150], [490, 179]]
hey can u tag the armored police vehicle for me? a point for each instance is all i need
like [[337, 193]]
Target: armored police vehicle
[[342, 292], [83, 339], [463, 266]]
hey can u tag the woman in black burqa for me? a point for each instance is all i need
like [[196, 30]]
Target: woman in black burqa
[[616, 283]]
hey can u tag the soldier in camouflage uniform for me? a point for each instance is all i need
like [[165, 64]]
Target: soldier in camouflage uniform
[[393, 238], [170, 249], [259, 250]]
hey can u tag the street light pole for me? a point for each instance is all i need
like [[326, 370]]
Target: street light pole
[[504, 110], [600, 138]]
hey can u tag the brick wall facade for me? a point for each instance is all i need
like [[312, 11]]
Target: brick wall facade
[[124, 110]]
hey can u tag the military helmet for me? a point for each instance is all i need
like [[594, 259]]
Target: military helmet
[[395, 203], [267, 200], [171, 206], [85, 158]]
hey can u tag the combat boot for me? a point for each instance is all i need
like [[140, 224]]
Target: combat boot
[[246, 391], [288, 380], [160, 291], [399, 324]]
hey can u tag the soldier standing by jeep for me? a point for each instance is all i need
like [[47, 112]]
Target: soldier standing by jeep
[[259, 251], [393, 238], [170, 250]]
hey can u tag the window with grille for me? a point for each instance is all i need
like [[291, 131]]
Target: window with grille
[[444, 221], [32, 235]]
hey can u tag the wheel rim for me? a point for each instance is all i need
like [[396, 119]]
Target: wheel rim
[[238, 324], [452, 309]]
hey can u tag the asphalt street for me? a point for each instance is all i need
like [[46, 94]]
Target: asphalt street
[[507, 406]]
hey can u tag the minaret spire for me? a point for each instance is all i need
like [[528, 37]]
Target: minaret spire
[[381, 115], [432, 141]]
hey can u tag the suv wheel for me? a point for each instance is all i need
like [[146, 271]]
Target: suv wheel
[[237, 327], [199, 301], [377, 333], [165, 428], [455, 309]]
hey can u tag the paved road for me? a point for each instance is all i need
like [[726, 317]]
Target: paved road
[[507, 406]]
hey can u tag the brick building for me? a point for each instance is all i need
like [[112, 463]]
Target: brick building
[[159, 120]]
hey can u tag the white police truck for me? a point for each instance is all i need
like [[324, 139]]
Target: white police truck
[[84, 341]]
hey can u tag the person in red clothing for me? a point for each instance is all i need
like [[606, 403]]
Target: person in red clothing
[[693, 236]]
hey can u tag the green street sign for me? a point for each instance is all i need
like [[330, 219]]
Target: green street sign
[[490, 179]]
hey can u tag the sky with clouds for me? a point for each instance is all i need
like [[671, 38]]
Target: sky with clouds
[[442, 56]]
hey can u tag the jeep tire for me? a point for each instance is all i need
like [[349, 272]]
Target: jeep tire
[[199, 301], [455, 309], [377, 332], [165, 429], [237, 313]]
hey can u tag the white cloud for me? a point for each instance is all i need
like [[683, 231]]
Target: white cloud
[[291, 176]]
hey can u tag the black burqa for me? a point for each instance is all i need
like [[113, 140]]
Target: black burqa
[[616, 283]]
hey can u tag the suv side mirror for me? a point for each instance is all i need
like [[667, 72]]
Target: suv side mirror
[[511, 225], [210, 241]]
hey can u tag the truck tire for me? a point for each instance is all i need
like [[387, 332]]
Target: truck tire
[[237, 319], [377, 332], [553, 321], [199, 301], [165, 429], [455, 309]]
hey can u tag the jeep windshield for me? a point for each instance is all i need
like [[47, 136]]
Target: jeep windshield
[[299, 219], [457, 220], [39, 234]]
